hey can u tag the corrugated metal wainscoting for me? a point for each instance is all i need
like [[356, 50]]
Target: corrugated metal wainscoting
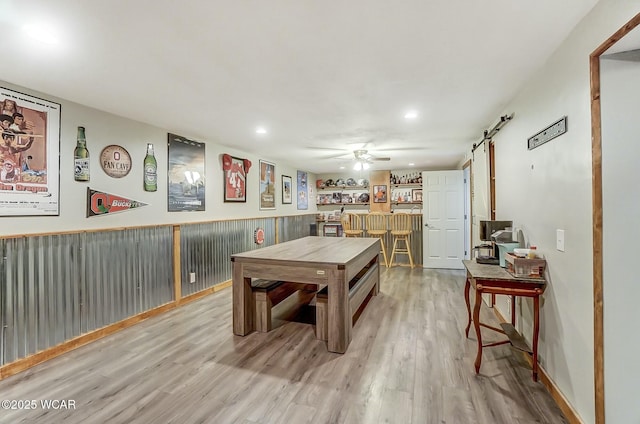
[[56, 287]]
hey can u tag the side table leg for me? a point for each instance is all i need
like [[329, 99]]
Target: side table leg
[[536, 330], [467, 286], [476, 325]]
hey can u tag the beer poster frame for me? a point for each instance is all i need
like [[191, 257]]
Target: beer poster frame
[[29, 155], [267, 185], [185, 174]]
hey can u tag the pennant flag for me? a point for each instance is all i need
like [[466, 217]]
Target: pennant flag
[[101, 203]]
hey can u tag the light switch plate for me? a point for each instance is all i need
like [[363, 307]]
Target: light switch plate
[[192, 277], [560, 240]]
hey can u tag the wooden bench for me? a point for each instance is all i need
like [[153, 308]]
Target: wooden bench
[[267, 294], [366, 283]]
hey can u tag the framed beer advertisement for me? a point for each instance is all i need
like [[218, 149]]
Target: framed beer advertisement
[[185, 174], [286, 190], [235, 179], [267, 185], [29, 155]]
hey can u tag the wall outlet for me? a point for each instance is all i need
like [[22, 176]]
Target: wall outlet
[[192, 277]]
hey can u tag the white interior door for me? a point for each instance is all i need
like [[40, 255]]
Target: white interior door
[[443, 218]]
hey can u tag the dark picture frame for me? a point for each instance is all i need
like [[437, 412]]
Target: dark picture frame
[[267, 185], [235, 181], [287, 189], [416, 195], [379, 194]]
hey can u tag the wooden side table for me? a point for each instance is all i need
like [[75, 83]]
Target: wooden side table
[[494, 279]]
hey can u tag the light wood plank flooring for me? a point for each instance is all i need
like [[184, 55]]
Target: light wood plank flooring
[[408, 362]]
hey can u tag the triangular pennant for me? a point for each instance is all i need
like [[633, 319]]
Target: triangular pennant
[[101, 203]]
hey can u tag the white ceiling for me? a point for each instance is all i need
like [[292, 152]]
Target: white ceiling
[[320, 75]]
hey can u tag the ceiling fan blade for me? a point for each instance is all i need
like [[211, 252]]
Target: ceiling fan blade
[[375, 158], [335, 149]]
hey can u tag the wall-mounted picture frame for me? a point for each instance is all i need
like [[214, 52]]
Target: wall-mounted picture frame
[[267, 185], [379, 194], [185, 174], [29, 155], [235, 180], [302, 190], [287, 198], [416, 195]]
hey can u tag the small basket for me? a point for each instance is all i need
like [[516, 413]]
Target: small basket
[[525, 267]]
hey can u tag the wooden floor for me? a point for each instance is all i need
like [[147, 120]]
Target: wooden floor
[[408, 362]]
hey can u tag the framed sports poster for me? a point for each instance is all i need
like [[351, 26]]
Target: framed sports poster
[[267, 185], [185, 174], [303, 191], [235, 179], [29, 155], [286, 190]]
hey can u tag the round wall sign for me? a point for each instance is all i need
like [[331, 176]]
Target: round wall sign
[[115, 161], [258, 236]]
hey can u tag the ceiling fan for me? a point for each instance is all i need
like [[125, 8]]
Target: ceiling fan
[[364, 159]]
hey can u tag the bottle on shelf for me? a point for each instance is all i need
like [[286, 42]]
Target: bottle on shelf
[[81, 157], [150, 170]]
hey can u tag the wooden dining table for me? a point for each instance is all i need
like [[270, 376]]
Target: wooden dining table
[[330, 261]]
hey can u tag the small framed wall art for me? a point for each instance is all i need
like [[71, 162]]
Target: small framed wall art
[[286, 190]]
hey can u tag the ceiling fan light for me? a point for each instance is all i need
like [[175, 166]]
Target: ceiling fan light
[[365, 166], [357, 166]]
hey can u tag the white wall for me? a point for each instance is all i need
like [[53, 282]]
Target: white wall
[[549, 188], [104, 129], [621, 209]]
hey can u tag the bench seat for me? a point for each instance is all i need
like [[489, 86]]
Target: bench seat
[[366, 283], [267, 294]]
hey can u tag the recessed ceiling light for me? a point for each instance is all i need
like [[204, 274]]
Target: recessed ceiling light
[[261, 130], [411, 114], [411, 164], [42, 33], [342, 167]]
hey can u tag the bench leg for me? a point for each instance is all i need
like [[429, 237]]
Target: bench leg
[[322, 320], [263, 312]]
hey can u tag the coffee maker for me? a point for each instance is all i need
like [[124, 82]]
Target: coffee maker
[[491, 233]]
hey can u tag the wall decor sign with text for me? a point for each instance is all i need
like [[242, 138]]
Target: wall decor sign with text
[[115, 161], [103, 203], [29, 155], [185, 174]]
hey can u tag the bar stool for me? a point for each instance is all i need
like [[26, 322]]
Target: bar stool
[[377, 227], [351, 225], [401, 231]]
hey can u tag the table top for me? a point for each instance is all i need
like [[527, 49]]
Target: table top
[[326, 250], [496, 272]]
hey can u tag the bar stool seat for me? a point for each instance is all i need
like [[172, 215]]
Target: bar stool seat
[[377, 227], [351, 225], [401, 231]]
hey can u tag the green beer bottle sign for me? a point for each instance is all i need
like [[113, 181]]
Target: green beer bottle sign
[[150, 170], [81, 157]]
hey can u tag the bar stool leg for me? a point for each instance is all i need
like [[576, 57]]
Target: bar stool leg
[[384, 251], [407, 241]]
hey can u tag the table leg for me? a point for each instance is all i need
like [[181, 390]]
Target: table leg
[[476, 325], [536, 330], [243, 305], [467, 287], [338, 312]]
